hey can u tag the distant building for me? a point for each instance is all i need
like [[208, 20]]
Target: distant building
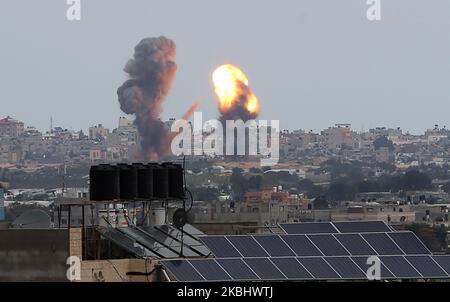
[[222, 216], [390, 213], [97, 154], [124, 122], [98, 132], [384, 155], [337, 137], [269, 194], [11, 127]]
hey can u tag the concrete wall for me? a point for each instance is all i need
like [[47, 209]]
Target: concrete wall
[[116, 271], [227, 228], [33, 255]]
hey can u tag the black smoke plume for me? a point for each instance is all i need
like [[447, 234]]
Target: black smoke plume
[[151, 73]]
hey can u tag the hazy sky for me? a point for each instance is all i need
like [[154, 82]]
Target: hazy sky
[[311, 63]]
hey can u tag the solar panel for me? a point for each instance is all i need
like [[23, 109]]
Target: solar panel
[[444, 262], [182, 270], [309, 228], [362, 263], [247, 246], [362, 227], [400, 267], [220, 246], [171, 236], [291, 268], [153, 245], [346, 267], [319, 268], [409, 243], [355, 244], [301, 245], [426, 266], [264, 268], [210, 270], [382, 244], [127, 243], [237, 269], [193, 231], [328, 245], [274, 245], [309, 256]]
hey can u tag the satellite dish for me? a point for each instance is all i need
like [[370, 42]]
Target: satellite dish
[[179, 218]]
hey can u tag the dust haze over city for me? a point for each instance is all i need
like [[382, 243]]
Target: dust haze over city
[[186, 141], [320, 58]]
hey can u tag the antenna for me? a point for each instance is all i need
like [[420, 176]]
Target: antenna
[[63, 178], [51, 124]]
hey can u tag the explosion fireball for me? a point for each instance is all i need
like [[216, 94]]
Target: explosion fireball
[[235, 98]]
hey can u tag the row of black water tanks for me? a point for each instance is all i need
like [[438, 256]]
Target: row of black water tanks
[[136, 182]]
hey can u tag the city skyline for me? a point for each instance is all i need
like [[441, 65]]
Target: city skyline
[[55, 124], [311, 63]]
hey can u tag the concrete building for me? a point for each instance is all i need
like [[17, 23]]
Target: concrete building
[[436, 213], [227, 217], [384, 155], [124, 122], [98, 132], [97, 154], [11, 127], [338, 137], [389, 213]]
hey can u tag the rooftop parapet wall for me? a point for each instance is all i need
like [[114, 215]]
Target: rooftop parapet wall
[[33, 255]]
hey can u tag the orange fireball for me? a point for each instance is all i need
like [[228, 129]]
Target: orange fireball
[[231, 88]]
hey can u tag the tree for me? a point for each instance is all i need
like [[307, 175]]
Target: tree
[[280, 178], [446, 187], [238, 182], [368, 186], [205, 194], [340, 169], [383, 141], [341, 191], [255, 183], [415, 180], [255, 170], [308, 187], [320, 203]]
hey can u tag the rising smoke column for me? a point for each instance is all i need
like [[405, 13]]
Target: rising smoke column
[[151, 73]]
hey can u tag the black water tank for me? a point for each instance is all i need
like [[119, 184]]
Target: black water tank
[[104, 183], [176, 180], [128, 181], [144, 181], [160, 180]]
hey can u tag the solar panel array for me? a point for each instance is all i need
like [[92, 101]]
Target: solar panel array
[[314, 251], [335, 227], [311, 245], [307, 268]]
